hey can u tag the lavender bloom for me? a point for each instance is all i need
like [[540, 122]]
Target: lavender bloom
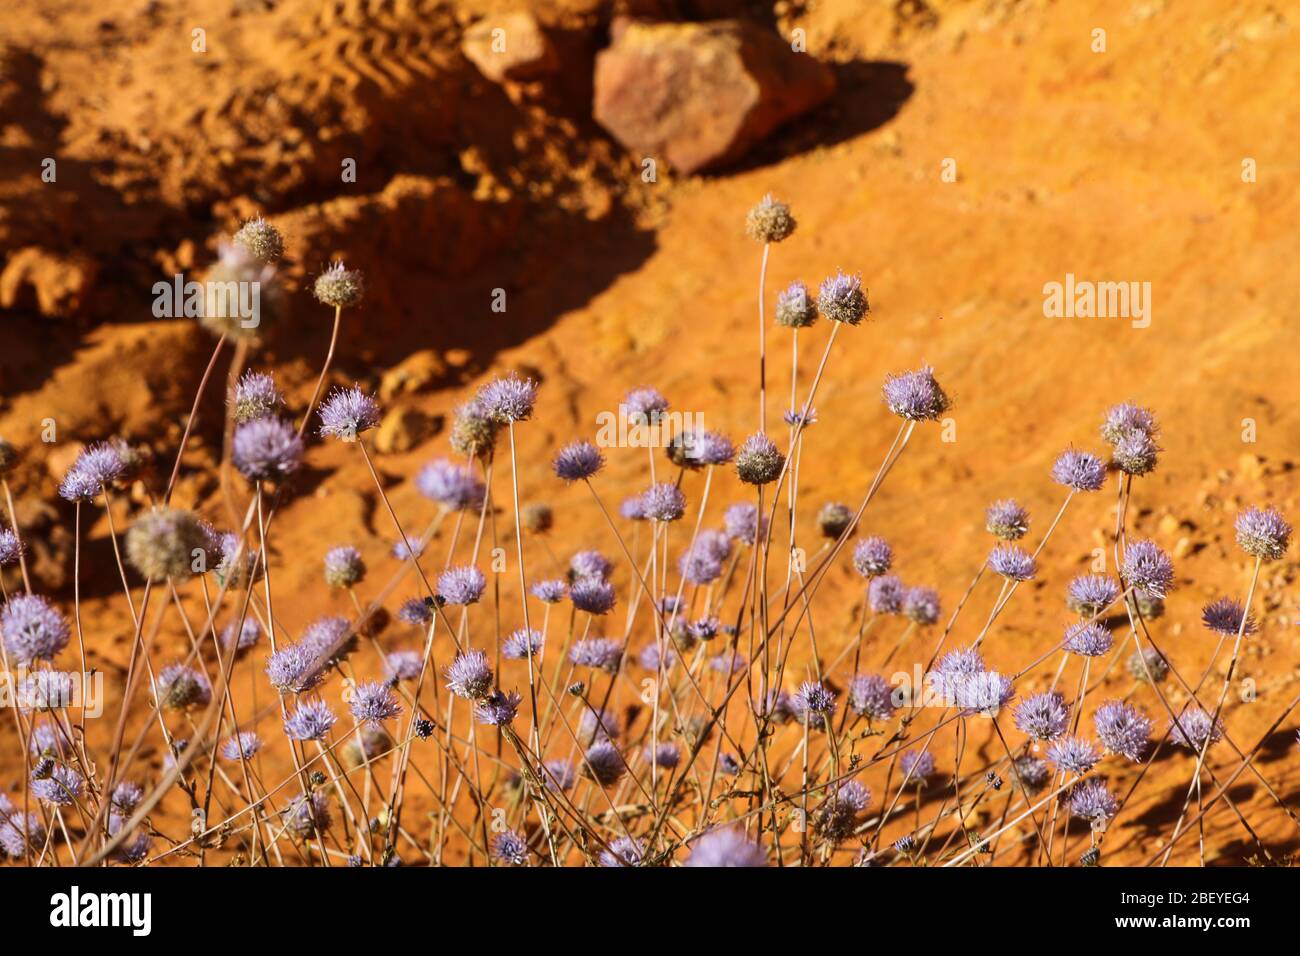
[[1031, 772], [664, 502], [916, 396], [744, 523], [548, 592], [780, 707], [813, 703], [1088, 639], [603, 763], [96, 467], [1123, 729], [306, 816], [984, 694], [953, 668], [522, 644], [841, 299], [578, 461], [759, 461], [329, 637], [1091, 800], [644, 406], [348, 412], [1079, 470], [1226, 616], [510, 848], [592, 595], [1263, 533], [1147, 568], [415, 611], [1090, 594], [1073, 755], [725, 846], [247, 637], [241, 747], [20, 832], [180, 686], [795, 307], [839, 815], [559, 775], [310, 720], [700, 565], [469, 675], [590, 564], [872, 557], [33, 629], [704, 629], [497, 709], [633, 508], [45, 740], [344, 567], [403, 665], [593, 727], [135, 848], [917, 766], [292, 669], [256, 397], [700, 448], [266, 449], [509, 399], [407, 550], [1011, 562], [1127, 419], [453, 486], [1135, 454], [871, 696], [920, 605], [1043, 716], [666, 755], [798, 416], [58, 784], [373, 702], [1194, 728], [463, 585], [1007, 520], [650, 658], [11, 547], [885, 595], [623, 851], [728, 764], [732, 663], [601, 653], [126, 796]]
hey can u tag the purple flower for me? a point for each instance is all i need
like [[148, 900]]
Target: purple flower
[[241, 747], [592, 595], [1091, 800], [759, 461], [510, 848], [623, 851], [97, 466], [1090, 594], [916, 396], [249, 632], [796, 416], [601, 653], [1135, 454], [415, 611], [348, 412], [872, 557], [984, 694], [548, 592], [310, 720], [308, 815], [725, 846], [666, 755], [871, 696], [453, 486], [603, 763], [330, 638], [256, 397], [497, 709], [373, 702], [508, 399], [1147, 568], [344, 567], [633, 508], [33, 629], [743, 522], [885, 595], [1073, 755], [1123, 729], [704, 629], [644, 406], [578, 461], [839, 815], [265, 449], [1013, 563], [1088, 639], [1263, 533], [920, 604], [180, 686], [21, 832], [1007, 520], [408, 550], [590, 564], [917, 766], [1194, 727], [522, 644], [1127, 419], [1079, 470], [650, 658], [292, 669], [813, 703], [1032, 772], [403, 665], [840, 298], [698, 448], [664, 502], [732, 663], [700, 564], [460, 586], [11, 547], [1226, 616], [1043, 716], [469, 675], [593, 727], [953, 668], [58, 784], [559, 775]]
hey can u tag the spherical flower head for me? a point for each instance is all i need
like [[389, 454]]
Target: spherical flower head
[[759, 461], [1088, 639], [1263, 533], [1123, 729], [1127, 419], [795, 307], [1079, 470], [578, 461], [1135, 454], [921, 605], [44, 741], [1031, 773], [549, 592], [1228, 617], [1007, 520], [165, 543], [559, 775], [603, 763], [871, 696], [97, 467], [510, 848], [469, 675], [415, 611], [309, 720], [453, 486], [1073, 755], [373, 702], [261, 240], [698, 448], [699, 566], [665, 756], [872, 557], [329, 639], [839, 814], [1091, 800], [663, 502], [266, 449], [813, 703], [590, 564], [255, 397], [885, 595], [293, 669], [1011, 562], [1147, 665], [403, 665], [633, 508], [57, 784], [344, 567], [841, 298], [744, 523], [242, 746], [20, 833], [1147, 568], [725, 846], [592, 595], [769, 221], [984, 694], [339, 286], [226, 289], [473, 430], [917, 766], [601, 653], [1090, 594], [1042, 716], [834, 519], [461, 585], [11, 547], [650, 658], [522, 644], [644, 406], [1194, 727], [509, 399], [916, 396], [33, 629], [307, 816], [348, 412], [623, 851], [954, 668], [181, 687]]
